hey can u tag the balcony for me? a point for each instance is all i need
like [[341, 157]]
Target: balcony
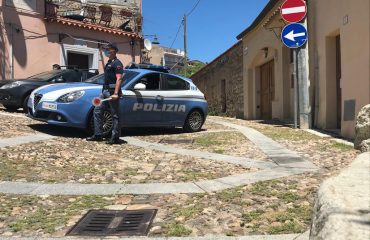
[[108, 18]]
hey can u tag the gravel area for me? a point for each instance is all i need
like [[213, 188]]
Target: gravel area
[[75, 160], [14, 127]]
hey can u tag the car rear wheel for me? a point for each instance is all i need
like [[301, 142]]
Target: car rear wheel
[[194, 121], [11, 108], [107, 123]]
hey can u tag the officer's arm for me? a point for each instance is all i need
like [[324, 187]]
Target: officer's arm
[[119, 78], [118, 83]]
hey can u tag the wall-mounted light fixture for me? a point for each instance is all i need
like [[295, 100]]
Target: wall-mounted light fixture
[[265, 52]]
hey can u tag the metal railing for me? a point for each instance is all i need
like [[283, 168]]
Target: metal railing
[[125, 17]]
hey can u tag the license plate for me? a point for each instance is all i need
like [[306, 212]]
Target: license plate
[[49, 106]]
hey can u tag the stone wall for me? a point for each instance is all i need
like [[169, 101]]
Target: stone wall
[[228, 67]]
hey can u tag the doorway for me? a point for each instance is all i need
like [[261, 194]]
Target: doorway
[[81, 61], [267, 90]]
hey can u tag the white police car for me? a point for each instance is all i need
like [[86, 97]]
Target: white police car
[[151, 98]]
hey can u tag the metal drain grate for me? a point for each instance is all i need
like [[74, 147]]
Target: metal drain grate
[[114, 223], [177, 141]]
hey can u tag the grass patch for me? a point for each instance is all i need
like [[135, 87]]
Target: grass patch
[[265, 188], [219, 151], [230, 195], [341, 146], [178, 230], [288, 196], [192, 176], [190, 212], [291, 227], [285, 133], [253, 215], [217, 139], [48, 218]]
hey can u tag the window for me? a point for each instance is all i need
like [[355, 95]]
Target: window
[[175, 83], [151, 81]]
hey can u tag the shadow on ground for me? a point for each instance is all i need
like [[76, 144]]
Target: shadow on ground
[[126, 132]]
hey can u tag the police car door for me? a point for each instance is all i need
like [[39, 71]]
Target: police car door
[[177, 99], [144, 107]]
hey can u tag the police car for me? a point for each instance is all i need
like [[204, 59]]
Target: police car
[[151, 98]]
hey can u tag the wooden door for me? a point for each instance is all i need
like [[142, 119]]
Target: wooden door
[[267, 89], [338, 78]]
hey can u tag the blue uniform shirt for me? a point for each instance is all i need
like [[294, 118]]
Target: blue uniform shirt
[[112, 68]]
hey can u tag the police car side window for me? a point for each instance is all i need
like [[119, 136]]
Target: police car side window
[[151, 81], [174, 83]]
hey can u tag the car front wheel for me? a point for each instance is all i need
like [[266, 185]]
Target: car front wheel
[[194, 121], [11, 108], [107, 123]]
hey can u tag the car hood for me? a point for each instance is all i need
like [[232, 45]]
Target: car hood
[[54, 91]]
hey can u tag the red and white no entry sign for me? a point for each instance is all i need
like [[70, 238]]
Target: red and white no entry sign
[[293, 11]]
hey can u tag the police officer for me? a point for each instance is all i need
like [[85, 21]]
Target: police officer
[[113, 75]]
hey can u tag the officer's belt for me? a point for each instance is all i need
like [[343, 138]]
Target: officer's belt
[[109, 86]]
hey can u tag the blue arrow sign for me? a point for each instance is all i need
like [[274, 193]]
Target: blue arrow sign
[[294, 35]]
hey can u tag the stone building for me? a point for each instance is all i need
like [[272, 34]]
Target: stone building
[[222, 82], [339, 62], [35, 34]]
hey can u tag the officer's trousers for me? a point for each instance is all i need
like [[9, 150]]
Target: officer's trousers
[[113, 106]]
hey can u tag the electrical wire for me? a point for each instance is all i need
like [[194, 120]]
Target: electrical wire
[[177, 34], [195, 6]]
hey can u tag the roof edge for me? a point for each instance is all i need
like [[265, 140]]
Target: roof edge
[[269, 6]]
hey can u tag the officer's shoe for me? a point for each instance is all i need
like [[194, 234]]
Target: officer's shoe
[[113, 141], [94, 138]]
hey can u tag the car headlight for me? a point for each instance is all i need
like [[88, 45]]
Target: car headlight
[[71, 97], [11, 85]]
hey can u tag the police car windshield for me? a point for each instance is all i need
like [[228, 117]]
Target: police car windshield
[[45, 76], [99, 79]]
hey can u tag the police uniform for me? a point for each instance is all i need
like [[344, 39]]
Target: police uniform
[[113, 67]]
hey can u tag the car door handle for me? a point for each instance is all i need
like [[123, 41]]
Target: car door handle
[[159, 97]]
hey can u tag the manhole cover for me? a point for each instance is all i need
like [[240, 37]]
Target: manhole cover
[[114, 223], [177, 141]]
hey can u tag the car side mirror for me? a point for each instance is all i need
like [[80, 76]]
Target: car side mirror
[[140, 86], [59, 80]]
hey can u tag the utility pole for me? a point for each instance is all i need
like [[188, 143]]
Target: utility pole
[[305, 121], [185, 44]]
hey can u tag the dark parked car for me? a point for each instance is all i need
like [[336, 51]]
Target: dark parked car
[[14, 94]]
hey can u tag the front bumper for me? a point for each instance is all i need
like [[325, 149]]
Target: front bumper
[[73, 114]]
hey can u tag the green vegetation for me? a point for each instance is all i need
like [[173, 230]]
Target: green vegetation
[[291, 227], [341, 146], [191, 69], [190, 212], [177, 230], [48, 218], [253, 215], [288, 196], [193, 176], [230, 195]]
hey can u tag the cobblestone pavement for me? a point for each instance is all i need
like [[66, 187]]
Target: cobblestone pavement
[[279, 206]]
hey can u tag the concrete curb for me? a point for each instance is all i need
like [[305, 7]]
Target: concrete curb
[[342, 209]]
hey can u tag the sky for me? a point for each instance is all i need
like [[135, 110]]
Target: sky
[[211, 28]]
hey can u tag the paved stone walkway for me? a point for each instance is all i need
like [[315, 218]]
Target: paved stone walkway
[[284, 163]]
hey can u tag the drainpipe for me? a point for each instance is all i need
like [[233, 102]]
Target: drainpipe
[[132, 43], [11, 52]]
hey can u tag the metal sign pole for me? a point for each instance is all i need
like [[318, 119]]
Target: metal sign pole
[[295, 60]]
